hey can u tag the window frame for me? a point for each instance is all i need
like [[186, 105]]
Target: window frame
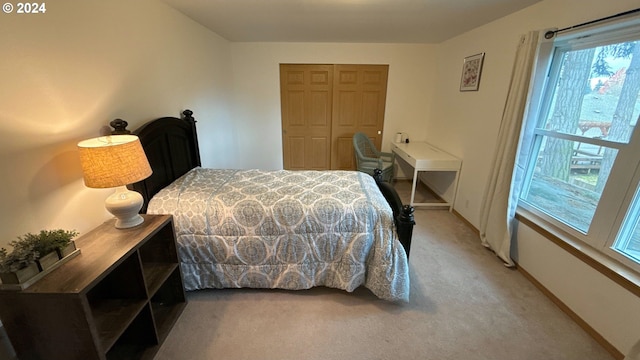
[[615, 200]]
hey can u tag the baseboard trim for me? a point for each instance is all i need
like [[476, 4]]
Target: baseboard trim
[[575, 317], [464, 220]]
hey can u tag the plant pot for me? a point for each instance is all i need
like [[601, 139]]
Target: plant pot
[[71, 247], [48, 260], [20, 276]]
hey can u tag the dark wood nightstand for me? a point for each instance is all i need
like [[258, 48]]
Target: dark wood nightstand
[[118, 299]]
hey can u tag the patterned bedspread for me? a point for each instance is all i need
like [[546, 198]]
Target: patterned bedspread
[[285, 229]]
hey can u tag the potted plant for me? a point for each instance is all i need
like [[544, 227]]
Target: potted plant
[[51, 245], [18, 265], [63, 241]]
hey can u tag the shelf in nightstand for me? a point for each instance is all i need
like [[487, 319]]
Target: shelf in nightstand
[[155, 275], [112, 317]]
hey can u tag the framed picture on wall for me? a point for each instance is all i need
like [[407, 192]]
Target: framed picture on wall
[[471, 70]]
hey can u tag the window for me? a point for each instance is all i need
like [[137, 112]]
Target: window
[[628, 240], [584, 155]]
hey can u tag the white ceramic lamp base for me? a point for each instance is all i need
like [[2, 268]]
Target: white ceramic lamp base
[[125, 204]]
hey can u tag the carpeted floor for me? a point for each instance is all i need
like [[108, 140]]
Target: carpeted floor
[[464, 305]]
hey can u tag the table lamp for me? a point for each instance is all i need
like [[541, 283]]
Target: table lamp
[[114, 162]]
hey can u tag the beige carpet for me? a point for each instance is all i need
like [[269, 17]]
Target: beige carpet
[[464, 305]]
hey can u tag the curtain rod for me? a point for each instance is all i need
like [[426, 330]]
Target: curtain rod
[[551, 33]]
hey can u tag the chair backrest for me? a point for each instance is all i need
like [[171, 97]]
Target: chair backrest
[[364, 147]]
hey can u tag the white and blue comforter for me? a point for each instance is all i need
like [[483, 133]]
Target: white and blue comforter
[[285, 229]]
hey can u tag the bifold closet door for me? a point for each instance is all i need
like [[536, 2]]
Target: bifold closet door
[[323, 106]]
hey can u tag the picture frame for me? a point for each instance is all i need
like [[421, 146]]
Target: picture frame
[[471, 71]]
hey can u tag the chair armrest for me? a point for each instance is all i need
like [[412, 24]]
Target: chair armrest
[[388, 156], [372, 163], [367, 159]]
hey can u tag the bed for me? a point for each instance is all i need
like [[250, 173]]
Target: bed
[[274, 229]]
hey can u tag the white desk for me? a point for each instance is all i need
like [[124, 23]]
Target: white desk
[[423, 156]]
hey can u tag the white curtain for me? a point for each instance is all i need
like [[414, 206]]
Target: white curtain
[[501, 195]]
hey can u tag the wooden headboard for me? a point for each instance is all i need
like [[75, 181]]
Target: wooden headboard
[[171, 145]]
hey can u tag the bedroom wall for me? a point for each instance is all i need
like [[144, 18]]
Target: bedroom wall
[[68, 72], [411, 85], [467, 125]]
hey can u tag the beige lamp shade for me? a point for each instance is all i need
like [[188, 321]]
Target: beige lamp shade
[[112, 161]]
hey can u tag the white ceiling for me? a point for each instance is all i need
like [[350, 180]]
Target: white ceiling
[[354, 21]]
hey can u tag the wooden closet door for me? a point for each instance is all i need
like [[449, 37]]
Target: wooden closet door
[[323, 106], [306, 101], [359, 98]]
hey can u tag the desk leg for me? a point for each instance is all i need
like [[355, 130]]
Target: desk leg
[[455, 190], [413, 186]]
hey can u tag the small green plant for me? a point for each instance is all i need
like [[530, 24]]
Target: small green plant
[[48, 240], [30, 247], [22, 255]]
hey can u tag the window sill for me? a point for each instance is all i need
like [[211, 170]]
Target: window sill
[[614, 270]]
